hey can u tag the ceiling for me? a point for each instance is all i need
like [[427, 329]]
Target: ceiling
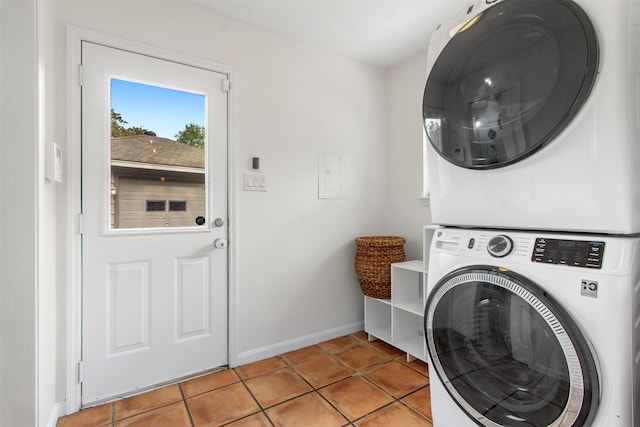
[[381, 33]]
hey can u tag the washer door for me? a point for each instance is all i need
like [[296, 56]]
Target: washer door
[[506, 353], [509, 81]]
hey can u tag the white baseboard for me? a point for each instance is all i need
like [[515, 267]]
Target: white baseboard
[[58, 410], [297, 343]]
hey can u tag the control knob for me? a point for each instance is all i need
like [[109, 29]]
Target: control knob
[[500, 246]]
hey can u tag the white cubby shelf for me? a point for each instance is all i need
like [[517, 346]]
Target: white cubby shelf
[[399, 321]]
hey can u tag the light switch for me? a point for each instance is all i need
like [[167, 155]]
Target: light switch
[[255, 182]]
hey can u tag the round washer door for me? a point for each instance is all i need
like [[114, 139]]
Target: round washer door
[[509, 81], [506, 353]]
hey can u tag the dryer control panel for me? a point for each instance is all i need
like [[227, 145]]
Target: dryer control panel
[[577, 253]]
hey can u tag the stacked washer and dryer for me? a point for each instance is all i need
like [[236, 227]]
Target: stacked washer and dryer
[[533, 308]]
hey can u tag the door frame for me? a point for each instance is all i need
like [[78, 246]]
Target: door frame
[[75, 37]]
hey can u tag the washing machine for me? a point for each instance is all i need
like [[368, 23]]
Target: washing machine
[[533, 329], [531, 119]]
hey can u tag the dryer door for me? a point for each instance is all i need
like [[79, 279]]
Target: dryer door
[[506, 353], [509, 81]]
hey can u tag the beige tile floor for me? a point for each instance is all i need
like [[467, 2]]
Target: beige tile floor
[[347, 381]]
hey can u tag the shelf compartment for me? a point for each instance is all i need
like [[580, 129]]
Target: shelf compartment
[[408, 333], [407, 289], [377, 318], [414, 306]]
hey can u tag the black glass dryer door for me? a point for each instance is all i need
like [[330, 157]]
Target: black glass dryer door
[[506, 353], [509, 81]]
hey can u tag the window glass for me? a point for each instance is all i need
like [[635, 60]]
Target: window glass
[[177, 206], [155, 205], [158, 156], [508, 84]]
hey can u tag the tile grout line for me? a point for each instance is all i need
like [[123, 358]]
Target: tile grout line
[[313, 388], [393, 402], [146, 411], [262, 409], [355, 372], [409, 407], [292, 366], [186, 405], [349, 422], [360, 373]]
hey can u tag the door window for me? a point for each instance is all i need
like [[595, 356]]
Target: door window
[[506, 353], [158, 153], [509, 82]]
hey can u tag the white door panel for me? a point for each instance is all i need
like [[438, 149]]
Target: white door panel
[[155, 298]]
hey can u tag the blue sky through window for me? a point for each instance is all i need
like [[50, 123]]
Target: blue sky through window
[[163, 111]]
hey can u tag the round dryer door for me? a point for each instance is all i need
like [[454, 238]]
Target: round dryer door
[[506, 353], [509, 81]]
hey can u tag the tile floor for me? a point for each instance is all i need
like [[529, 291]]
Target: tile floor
[[347, 381]]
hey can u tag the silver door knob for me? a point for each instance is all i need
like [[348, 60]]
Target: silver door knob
[[218, 222], [220, 243]]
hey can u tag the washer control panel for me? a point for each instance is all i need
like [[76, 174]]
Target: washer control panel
[[577, 253]]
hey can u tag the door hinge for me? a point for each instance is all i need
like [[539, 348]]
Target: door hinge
[[226, 85], [80, 224], [80, 75], [80, 372]]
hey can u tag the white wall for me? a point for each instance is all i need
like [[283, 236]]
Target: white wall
[[29, 341], [406, 214], [18, 207], [50, 288], [295, 277]]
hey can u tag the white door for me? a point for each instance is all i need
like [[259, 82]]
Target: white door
[[154, 293]]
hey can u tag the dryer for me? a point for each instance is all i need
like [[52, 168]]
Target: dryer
[[531, 118], [533, 329]]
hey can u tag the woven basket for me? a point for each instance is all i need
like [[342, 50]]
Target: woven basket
[[374, 256]]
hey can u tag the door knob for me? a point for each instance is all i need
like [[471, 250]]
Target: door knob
[[218, 222], [220, 243]]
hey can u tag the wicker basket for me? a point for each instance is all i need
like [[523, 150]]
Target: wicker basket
[[374, 256]]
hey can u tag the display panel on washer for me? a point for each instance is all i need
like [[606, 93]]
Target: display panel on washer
[[577, 253], [509, 81], [508, 354]]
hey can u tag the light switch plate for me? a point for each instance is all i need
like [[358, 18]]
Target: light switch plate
[[255, 182]]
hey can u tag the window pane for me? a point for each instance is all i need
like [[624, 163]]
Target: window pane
[[155, 205], [158, 143], [177, 206]]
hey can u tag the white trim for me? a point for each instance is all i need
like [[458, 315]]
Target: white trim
[[232, 208], [57, 411], [425, 199], [73, 209], [156, 167], [295, 344], [75, 35]]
